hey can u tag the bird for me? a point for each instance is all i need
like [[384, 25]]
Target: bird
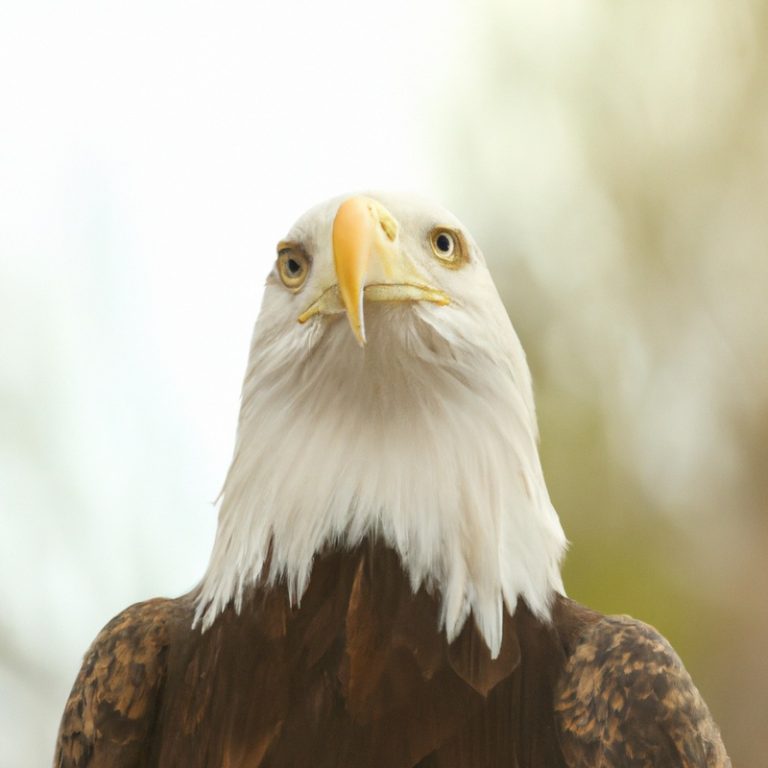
[[384, 588]]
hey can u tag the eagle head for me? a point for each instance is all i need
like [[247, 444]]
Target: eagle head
[[387, 396]]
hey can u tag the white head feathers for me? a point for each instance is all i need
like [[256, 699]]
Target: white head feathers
[[426, 437]]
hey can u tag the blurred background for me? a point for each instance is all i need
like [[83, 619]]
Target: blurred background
[[611, 158]]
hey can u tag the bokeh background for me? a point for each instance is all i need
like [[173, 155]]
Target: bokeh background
[[610, 157]]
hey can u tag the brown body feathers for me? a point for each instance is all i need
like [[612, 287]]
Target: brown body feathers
[[360, 675]]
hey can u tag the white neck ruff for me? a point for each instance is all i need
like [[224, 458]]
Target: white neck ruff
[[420, 440]]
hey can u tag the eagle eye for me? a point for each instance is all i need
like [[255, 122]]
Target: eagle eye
[[292, 265], [448, 247]]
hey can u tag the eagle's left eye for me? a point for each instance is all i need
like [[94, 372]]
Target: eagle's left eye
[[448, 246], [292, 265]]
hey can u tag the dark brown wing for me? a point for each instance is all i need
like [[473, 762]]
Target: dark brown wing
[[111, 710], [626, 700]]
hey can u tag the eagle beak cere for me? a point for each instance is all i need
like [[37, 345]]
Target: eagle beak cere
[[369, 264]]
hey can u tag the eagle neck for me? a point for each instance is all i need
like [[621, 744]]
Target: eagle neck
[[411, 443]]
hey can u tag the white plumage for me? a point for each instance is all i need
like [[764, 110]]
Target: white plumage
[[425, 437]]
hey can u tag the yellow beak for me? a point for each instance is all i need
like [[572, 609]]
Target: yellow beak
[[354, 234], [369, 264]]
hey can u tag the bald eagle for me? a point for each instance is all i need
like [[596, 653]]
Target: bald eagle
[[384, 589]]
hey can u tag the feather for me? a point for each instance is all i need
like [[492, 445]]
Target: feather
[[362, 675], [625, 699]]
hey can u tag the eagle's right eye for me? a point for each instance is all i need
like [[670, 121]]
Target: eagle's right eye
[[292, 265]]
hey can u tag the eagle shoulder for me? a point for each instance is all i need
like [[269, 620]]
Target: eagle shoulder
[[111, 711], [625, 699]]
